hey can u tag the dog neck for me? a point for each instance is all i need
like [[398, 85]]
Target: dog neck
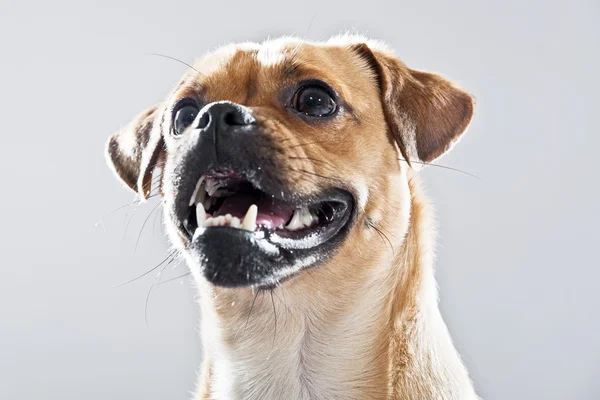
[[385, 340]]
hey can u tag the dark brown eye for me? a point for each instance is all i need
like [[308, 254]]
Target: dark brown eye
[[314, 101], [184, 116]]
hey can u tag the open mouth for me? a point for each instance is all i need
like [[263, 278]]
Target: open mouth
[[227, 199], [245, 235]]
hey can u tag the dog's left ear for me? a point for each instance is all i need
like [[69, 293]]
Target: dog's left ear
[[426, 113], [135, 150]]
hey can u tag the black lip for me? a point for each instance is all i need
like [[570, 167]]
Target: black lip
[[231, 257]]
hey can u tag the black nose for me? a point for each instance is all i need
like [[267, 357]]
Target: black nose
[[223, 116]]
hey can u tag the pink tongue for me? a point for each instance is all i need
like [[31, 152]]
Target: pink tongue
[[271, 212]]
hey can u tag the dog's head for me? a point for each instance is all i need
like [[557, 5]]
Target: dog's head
[[276, 156]]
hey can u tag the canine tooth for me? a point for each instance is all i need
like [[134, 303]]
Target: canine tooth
[[200, 215], [249, 222], [314, 216], [207, 203], [212, 187], [296, 222], [222, 192], [201, 197], [196, 190], [306, 217]]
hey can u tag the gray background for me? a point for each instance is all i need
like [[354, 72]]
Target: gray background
[[518, 268]]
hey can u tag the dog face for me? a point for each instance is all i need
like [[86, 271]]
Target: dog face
[[283, 157]]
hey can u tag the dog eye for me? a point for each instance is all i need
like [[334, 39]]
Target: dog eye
[[314, 101], [185, 115]]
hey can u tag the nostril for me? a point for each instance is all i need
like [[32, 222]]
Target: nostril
[[204, 121], [234, 117]]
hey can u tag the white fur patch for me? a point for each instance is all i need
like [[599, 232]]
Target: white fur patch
[[274, 51], [349, 38], [363, 194]]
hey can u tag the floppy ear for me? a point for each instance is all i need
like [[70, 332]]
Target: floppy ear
[[134, 151], [426, 113]]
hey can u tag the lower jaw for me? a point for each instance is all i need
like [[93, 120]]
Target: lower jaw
[[229, 257]]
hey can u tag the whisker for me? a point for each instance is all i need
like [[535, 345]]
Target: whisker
[[383, 236], [444, 167], [275, 314], [158, 177], [152, 287], [130, 219], [173, 279], [311, 23], [250, 312], [172, 254], [115, 210], [283, 303], [152, 182], [174, 59], [154, 221], [137, 242]]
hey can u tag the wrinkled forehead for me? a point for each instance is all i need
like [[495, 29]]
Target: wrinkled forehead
[[246, 72]]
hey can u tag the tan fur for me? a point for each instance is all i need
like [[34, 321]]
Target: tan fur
[[382, 335], [365, 324]]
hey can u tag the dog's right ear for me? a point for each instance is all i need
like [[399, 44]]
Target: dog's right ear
[[135, 149]]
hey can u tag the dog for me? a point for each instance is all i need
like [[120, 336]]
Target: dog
[[288, 171]]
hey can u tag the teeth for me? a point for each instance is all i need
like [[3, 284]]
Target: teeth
[[314, 216], [196, 190], [201, 197], [295, 223], [208, 201], [212, 187], [306, 217], [215, 221], [249, 222], [221, 193], [206, 221], [200, 215], [302, 218]]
